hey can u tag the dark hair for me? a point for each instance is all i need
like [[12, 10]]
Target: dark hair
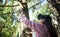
[[51, 28], [40, 16], [48, 23]]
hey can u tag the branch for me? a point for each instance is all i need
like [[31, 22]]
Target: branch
[[36, 4], [7, 13], [8, 5], [5, 2]]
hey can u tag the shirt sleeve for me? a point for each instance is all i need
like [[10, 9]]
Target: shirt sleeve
[[29, 23]]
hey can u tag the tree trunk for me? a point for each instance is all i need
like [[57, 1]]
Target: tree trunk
[[25, 7], [55, 9]]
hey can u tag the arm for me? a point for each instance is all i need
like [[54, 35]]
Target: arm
[[29, 23]]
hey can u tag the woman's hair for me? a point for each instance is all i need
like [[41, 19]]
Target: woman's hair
[[51, 28], [40, 16], [48, 23]]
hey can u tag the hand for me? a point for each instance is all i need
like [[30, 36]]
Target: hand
[[20, 11]]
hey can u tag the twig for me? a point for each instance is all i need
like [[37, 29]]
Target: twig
[[36, 4], [8, 5]]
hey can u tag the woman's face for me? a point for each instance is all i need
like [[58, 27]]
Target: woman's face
[[42, 21]]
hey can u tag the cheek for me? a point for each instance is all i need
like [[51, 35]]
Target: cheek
[[42, 20]]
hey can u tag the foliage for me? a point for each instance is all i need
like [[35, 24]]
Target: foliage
[[6, 22], [9, 22], [40, 8]]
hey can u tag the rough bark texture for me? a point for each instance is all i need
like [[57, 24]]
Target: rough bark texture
[[25, 7], [54, 6]]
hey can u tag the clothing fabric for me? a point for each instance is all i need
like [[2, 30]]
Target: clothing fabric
[[40, 29]]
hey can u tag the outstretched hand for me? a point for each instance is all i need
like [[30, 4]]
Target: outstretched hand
[[20, 11]]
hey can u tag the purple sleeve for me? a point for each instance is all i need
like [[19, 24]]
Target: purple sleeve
[[39, 28], [29, 23]]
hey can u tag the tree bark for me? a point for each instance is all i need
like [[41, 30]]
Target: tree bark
[[25, 7], [55, 9]]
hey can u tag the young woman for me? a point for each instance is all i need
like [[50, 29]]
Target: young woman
[[48, 23], [40, 28], [51, 28]]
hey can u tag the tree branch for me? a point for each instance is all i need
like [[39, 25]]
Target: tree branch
[[36, 4], [8, 5]]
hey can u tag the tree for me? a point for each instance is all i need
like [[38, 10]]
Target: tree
[[54, 6], [25, 7], [6, 21], [36, 7]]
